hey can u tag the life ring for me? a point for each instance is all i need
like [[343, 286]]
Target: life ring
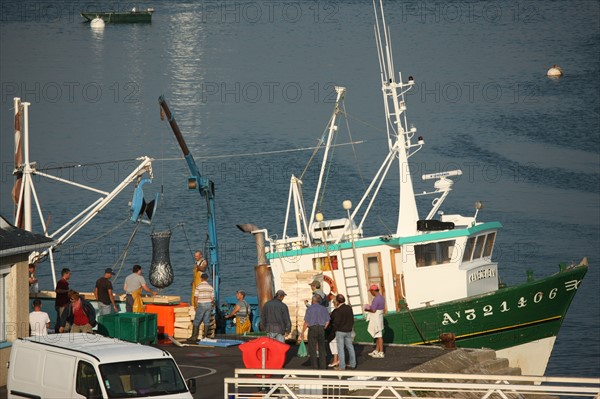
[[329, 281]]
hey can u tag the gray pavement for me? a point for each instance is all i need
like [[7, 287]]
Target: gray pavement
[[211, 365]]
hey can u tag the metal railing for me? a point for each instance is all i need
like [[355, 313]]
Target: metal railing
[[321, 384]]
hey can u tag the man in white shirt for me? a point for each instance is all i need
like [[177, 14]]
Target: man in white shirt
[[39, 322], [134, 283]]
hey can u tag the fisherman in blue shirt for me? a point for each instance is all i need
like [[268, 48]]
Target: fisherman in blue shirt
[[316, 321]]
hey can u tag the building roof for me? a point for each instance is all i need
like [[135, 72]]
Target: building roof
[[14, 240]]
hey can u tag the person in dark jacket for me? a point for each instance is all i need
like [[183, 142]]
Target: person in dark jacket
[[62, 296], [342, 319], [275, 318], [79, 315]]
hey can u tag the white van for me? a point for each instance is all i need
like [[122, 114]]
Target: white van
[[92, 366]]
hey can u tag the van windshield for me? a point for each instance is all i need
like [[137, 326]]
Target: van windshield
[[142, 378]]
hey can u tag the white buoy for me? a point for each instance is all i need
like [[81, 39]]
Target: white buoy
[[554, 72], [97, 23]]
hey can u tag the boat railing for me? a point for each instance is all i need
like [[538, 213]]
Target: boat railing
[[289, 243], [459, 220], [305, 384]]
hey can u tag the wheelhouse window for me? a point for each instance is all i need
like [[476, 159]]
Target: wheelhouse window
[[325, 263], [489, 244], [479, 247], [469, 249], [435, 253]]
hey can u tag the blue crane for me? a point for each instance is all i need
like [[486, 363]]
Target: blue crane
[[206, 187]]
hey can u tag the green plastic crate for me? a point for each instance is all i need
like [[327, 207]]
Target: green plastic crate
[[152, 332], [132, 327], [108, 325], [138, 327]]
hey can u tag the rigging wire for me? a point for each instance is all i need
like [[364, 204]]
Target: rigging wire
[[329, 163], [246, 154], [123, 255], [81, 165], [75, 246], [368, 124], [360, 174], [187, 240], [316, 149], [253, 154]]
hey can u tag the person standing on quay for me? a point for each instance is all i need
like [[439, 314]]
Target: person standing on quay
[[342, 319], [62, 295], [330, 337], [205, 299], [200, 266], [241, 314], [316, 321], [104, 293], [39, 322], [34, 287], [79, 315], [275, 318], [375, 318], [316, 289], [134, 283]]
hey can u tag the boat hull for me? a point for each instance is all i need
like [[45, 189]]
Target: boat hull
[[507, 318], [120, 17]]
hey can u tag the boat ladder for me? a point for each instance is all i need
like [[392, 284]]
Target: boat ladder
[[351, 281]]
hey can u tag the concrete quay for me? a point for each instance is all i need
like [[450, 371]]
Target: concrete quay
[[210, 365]]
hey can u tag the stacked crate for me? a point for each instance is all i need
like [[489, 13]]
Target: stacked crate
[[184, 318], [183, 322], [297, 287]]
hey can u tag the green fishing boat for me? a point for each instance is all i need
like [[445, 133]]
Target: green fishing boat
[[435, 273], [134, 15]]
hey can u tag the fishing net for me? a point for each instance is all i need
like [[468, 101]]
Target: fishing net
[[161, 272]]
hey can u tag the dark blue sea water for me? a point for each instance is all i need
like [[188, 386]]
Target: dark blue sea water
[[246, 77]]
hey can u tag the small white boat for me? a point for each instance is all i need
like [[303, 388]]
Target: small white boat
[[555, 71], [97, 23]]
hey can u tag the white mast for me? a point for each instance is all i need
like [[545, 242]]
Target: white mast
[[27, 189], [23, 212], [399, 135], [332, 129]]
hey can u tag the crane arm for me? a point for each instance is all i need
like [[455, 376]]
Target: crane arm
[[206, 188]]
